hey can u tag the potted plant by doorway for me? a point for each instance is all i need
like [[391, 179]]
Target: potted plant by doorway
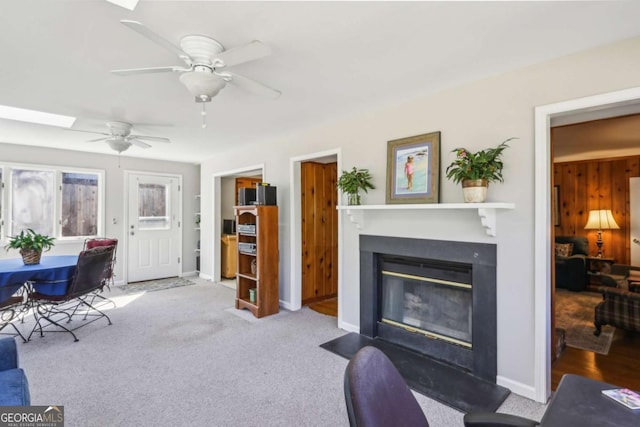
[[31, 245], [476, 170], [351, 182]]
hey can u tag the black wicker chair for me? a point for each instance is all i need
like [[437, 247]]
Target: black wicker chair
[[88, 281]]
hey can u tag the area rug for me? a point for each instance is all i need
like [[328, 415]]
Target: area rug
[[155, 285], [575, 314]]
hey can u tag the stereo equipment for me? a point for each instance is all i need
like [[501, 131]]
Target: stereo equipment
[[266, 195], [246, 196], [229, 226]]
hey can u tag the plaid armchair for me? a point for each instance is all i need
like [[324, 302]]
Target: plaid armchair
[[619, 308]]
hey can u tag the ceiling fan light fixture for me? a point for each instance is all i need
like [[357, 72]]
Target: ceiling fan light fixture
[[203, 86], [119, 145]]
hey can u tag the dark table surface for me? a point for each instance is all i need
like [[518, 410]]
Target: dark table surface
[[579, 401]]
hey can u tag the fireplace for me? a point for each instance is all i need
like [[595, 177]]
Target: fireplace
[[434, 297]]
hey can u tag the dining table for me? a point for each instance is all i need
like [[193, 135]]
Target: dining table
[[51, 276]]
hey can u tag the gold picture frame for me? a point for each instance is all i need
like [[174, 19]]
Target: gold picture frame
[[413, 169]]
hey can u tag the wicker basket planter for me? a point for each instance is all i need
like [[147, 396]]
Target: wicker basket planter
[[31, 256], [30, 244]]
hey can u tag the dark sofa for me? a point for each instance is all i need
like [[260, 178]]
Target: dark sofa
[[14, 388], [571, 271]]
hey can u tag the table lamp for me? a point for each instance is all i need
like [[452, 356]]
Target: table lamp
[[601, 219]]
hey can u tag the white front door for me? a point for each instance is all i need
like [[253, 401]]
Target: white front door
[[153, 227], [634, 208]]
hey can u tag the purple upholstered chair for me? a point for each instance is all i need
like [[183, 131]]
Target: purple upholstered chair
[[377, 395]]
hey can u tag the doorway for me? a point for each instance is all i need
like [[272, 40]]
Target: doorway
[[319, 236], [634, 211], [543, 225], [153, 226], [295, 298], [224, 199]]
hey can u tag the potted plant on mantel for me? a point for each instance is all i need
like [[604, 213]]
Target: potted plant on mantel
[[352, 182], [31, 245], [476, 170]]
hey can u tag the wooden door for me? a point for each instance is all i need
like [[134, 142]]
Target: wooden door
[[319, 231], [246, 182]]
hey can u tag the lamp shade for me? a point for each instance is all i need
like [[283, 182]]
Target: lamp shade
[[601, 219]]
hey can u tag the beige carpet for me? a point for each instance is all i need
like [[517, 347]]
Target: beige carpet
[[575, 314]]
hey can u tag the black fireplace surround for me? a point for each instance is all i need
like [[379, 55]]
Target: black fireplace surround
[[481, 359]]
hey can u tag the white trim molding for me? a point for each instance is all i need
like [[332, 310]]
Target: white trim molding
[[543, 225]]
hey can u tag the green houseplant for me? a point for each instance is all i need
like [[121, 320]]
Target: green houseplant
[[351, 182], [477, 170], [31, 245]]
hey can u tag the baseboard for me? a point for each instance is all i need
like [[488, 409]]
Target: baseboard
[[285, 305], [517, 387], [349, 327], [206, 276], [189, 274]]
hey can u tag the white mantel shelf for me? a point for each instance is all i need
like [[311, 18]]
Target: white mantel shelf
[[486, 211]]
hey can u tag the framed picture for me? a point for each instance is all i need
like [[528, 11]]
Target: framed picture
[[413, 169], [556, 205]]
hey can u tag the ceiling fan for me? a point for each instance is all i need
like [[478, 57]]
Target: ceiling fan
[[206, 60], [120, 137]]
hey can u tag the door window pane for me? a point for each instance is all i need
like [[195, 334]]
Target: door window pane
[[79, 204], [153, 207], [32, 196]]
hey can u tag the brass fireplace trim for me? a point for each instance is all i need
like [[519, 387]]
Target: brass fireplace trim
[[427, 279], [428, 334]]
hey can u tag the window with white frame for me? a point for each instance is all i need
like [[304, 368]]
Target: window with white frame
[[66, 203]]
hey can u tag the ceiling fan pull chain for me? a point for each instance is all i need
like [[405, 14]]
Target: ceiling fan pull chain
[[204, 116]]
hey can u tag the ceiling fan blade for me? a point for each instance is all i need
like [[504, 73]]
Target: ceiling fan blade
[[99, 139], [254, 86], [237, 55], [138, 143], [141, 29], [150, 70], [151, 138]]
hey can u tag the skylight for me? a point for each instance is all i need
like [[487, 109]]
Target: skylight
[[32, 116], [127, 4]]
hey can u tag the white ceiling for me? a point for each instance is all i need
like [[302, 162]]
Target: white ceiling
[[331, 60]]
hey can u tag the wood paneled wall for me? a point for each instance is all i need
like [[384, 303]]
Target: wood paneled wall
[[596, 184]]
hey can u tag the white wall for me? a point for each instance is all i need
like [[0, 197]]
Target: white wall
[[477, 115], [227, 197], [115, 191]]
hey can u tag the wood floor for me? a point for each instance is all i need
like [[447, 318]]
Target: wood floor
[[327, 306], [619, 367]]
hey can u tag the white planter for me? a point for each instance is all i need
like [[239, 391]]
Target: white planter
[[474, 191]]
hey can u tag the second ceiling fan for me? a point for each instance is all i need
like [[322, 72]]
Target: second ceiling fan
[[120, 137], [205, 72]]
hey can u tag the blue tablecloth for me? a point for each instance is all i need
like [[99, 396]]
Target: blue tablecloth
[[51, 277]]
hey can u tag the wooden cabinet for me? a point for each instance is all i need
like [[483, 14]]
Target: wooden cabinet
[[229, 256], [258, 262]]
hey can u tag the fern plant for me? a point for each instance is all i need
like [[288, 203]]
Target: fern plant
[[30, 241], [485, 164]]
